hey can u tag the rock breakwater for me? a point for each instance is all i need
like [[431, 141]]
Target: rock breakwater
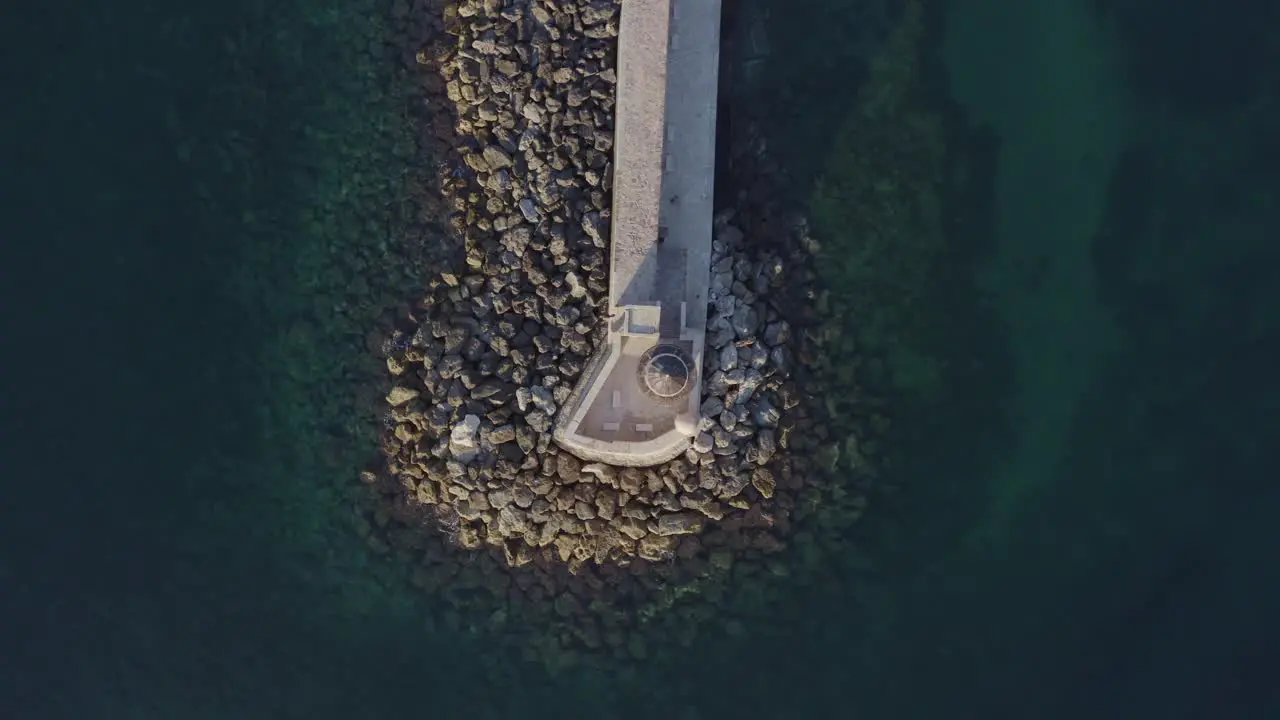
[[471, 492]]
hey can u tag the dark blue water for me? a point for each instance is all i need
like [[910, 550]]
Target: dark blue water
[[1081, 354]]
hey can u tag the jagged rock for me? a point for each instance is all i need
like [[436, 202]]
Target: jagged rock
[[745, 320], [780, 358], [462, 439], [529, 210], [539, 421], [449, 366], [702, 503], [512, 521], [597, 12], [594, 226], [657, 548], [768, 446], [631, 527], [467, 510], [400, 395], [606, 504], [395, 365], [533, 113], [606, 474], [703, 443], [728, 357], [496, 157], [713, 405], [679, 523], [777, 333], [576, 289], [569, 468], [720, 332], [526, 439], [751, 380], [502, 434], [500, 498], [524, 396], [731, 487], [630, 480], [487, 390]]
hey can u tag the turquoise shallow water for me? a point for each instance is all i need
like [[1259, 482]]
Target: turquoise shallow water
[[1086, 526]]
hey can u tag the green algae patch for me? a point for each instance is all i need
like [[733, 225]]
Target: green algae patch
[[878, 213], [903, 216], [1062, 113]]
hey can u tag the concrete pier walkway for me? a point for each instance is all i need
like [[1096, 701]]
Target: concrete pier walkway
[[637, 403]]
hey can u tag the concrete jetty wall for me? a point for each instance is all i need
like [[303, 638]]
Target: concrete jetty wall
[[660, 239]]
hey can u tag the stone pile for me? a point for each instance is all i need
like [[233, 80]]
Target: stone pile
[[494, 349]]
